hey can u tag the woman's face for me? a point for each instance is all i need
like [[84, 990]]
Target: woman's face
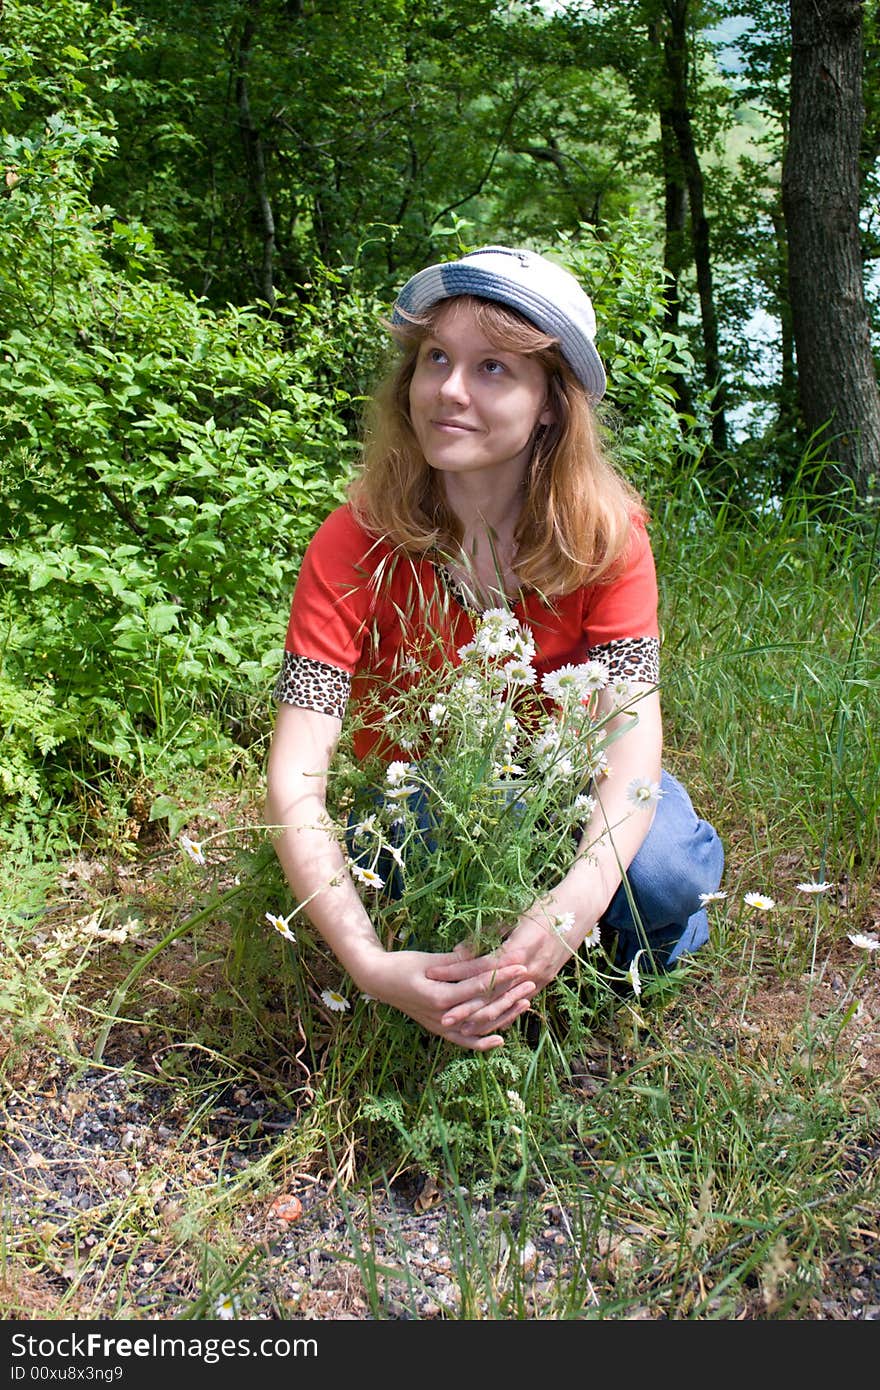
[[474, 407]]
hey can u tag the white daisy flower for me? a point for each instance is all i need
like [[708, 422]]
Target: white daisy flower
[[642, 792], [281, 925], [336, 1002], [716, 897], [569, 682], [562, 684], [584, 805], [593, 936], [437, 712], [633, 974], [519, 672], [866, 941], [499, 618], [494, 644], [395, 777], [814, 887], [367, 876], [594, 675], [759, 901], [397, 773], [620, 690], [508, 770], [227, 1308], [193, 848], [598, 765], [395, 853], [562, 924], [547, 742], [368, 826]]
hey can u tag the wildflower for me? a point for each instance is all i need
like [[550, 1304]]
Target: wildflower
[[565, 683], [584, 805], [437, 712], [469, 690], [518, 672], [193, 848], [760, 901], [620, 690], [498, 618], [598, 765], [397, 772], [367, 876], [227, 1307], [495, 644], [281, 925], [508, 770], [593, 936], [866, 941], [563, 923], [523, 646], [336, 1002], [814, 887], [594, 676], [717, 897], [643, 792], [516, 1102], [395, 777], [633, 974], [396, 855], [498, 633], [469, 649], [547, 742], [365, 827]]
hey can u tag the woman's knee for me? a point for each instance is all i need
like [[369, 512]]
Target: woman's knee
[[681, 859]]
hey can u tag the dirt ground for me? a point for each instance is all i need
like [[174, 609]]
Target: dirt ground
[[100, 1162]]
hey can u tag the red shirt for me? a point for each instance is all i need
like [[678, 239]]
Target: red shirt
[[365, 616]]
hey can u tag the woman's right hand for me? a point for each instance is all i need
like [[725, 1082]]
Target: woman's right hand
[[399, 978]]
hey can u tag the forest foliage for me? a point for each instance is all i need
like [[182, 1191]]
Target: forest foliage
[[204, 212]]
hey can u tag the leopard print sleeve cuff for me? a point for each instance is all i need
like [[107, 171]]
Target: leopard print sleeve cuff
[[310, 684], [630, 659]]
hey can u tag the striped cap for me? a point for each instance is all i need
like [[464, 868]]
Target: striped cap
[[542, 291]]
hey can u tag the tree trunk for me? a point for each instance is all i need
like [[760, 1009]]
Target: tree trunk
[[256, 163], [675, 117], [675, 251], [837, 380]]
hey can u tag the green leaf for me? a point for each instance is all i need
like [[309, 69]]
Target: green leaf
[[162, 617]]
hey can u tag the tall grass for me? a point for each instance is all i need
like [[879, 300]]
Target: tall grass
[[706, 1147]]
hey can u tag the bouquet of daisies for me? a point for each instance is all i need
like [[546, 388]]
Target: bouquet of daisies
[[456, 842]]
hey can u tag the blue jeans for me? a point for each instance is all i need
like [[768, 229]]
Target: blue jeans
[[680, 858]]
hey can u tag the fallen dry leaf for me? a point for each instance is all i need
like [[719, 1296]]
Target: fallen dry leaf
[[430, 1195]]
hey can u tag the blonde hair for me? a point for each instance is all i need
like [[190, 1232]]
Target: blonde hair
[[577, 511]]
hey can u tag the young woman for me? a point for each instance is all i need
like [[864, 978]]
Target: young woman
[[483, 485]]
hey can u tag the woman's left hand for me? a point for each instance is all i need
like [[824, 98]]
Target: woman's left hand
[[531, 943]]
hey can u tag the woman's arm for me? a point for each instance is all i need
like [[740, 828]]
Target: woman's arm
[[609, 845], [310, 853]]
